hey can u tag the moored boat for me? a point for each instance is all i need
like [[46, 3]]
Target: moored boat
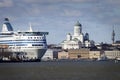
[[24, 45]]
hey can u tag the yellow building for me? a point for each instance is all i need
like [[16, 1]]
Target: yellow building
[[94, 54], [78, 53], [63, 55]]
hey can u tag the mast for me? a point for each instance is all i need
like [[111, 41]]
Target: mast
[[30, 28]]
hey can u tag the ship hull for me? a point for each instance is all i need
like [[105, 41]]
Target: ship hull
[[28, 53], [34, 53], [24, 55]]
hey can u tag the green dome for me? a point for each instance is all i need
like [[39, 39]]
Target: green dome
[[78, 24]]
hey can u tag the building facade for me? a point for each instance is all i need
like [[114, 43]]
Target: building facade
[[63, 55], [82, 53]]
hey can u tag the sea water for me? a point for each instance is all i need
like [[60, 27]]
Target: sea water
[[61, 70]]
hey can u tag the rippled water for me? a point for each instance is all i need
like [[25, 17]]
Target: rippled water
[[68, 70]]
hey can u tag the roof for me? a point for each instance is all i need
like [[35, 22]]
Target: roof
[[117, 42], [75, 39]]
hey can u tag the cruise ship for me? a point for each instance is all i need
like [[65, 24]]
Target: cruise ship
[[25, 45]]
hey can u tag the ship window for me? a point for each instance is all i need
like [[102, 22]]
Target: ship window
[[37, 45]]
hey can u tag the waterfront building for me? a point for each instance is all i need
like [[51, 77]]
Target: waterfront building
[[82, 53], [117, 44], [112, 54], [63, 55], [78, 39]]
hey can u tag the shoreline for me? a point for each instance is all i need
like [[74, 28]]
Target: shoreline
[[64, 60]]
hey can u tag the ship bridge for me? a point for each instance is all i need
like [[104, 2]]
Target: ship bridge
[[33, 33]]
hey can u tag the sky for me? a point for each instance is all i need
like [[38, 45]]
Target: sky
[[58, 17]]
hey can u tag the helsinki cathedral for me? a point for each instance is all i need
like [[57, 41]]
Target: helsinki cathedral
[[78, 39]]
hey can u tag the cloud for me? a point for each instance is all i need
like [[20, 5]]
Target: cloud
[[100, 10], [115, 2], [58, 14], [59, 1], [71, 13], [6, 3]]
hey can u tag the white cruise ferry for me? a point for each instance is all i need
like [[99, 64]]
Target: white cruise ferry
[[29, 45]]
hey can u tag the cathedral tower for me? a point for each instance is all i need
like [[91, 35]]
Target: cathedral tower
[[77, 29]]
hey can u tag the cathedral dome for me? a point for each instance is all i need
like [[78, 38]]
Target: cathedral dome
[[78, 24]]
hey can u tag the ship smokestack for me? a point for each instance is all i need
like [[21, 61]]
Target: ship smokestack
[[6, 19], [7, 26]]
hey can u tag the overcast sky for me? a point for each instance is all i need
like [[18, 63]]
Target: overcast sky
[[59, 16]]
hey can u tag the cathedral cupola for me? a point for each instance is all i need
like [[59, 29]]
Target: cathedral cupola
[[77, 29]]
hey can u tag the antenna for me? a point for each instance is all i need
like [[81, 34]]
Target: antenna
[[113, 35]]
